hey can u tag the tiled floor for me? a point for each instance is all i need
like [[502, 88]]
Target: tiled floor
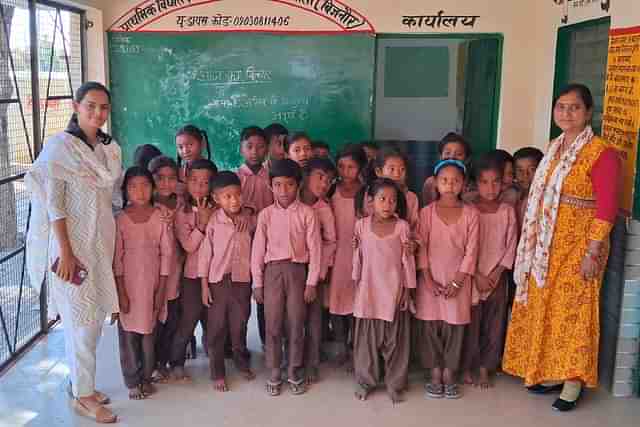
[[32, 394]]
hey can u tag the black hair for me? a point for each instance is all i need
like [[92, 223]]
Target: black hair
[[133, 172], [581, 90], [202, 164], [144, 154], [528, 153], [387, 152], [87, 87], [325, 165], [320, 144], [225, 179], [488, 162], [285, 168], [198, 134], [356, 153], [73, 127], [274, 129], [443, 164], [160, 162], [501, 156], [370, 190], [370, 144], [292, 139], [250, 131], [453, 137]]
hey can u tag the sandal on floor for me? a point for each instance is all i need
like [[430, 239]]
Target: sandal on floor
[[274, 388], [434, 391], [101, 398], [452, 391], [362, 391], [296, 387], [101, 414]]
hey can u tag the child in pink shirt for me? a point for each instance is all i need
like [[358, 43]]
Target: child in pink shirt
[[393, 164], [190, 225], [143, 252], [285, 265], [452, 146], [297, 147], [447, 259], [384, 274], [256, 191], [190, 142], [318, 176], [498, 238], [225, 272], [351, 162], [165, 175]]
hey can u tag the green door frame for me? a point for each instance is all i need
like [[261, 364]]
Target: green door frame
[[561, 77], [496, 36]]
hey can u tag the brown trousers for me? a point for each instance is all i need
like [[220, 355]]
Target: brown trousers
[[441, 344], [165, 333], [284, 306], [228, 315], [313, 329], [373, 338], [137, 357], [484, 335], [192, 310]]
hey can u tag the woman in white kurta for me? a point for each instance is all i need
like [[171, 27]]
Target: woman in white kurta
[[73, 190]]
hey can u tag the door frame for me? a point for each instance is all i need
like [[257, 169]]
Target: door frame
[[471, 36]]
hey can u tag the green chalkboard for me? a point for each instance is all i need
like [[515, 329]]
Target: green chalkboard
[[224, 82]]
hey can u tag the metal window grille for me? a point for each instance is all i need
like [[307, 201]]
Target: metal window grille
[[41, 63]]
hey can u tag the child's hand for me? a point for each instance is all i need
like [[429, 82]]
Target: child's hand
[[243, 223], [114, 318], [310, 294], [167, 215], [496, 275], [431, 284], [207, 298], [124, 302], [258, 295], [483, 283], [355, 242], [205, 210]]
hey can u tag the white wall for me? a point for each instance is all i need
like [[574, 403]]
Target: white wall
[[419, 119]]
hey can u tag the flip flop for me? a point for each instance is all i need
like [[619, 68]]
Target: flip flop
[[101, 398], [434, 391], [101, 415], [296, 387], [274, 388], [452, 391]]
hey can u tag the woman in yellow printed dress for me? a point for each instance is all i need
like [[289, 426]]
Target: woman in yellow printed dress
[[553, 336]]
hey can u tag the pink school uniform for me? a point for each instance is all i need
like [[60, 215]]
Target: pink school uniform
[[413, 209], [445, 250], [143, 253], [341, 293], [256, 192], [383, 272]]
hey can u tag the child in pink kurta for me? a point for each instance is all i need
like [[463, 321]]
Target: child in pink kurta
[[351, 162], [317, 178], [384, 273], [447, 258], [165, 175], [143, 251], [498, 239], [190, 226]]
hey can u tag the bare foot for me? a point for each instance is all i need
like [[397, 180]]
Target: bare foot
[[484, 382], [220, 385], [395, 396], [312, 376], [468, 378], [136, 393], [248, 375], [148, 389]]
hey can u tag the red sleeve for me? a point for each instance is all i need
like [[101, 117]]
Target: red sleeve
[[605, 177]]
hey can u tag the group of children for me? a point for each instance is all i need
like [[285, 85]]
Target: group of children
[[327, 250]]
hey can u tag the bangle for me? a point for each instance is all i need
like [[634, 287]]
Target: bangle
[[455, 285]]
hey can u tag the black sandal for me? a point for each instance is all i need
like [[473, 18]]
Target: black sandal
[[434, 391], [452, 391]]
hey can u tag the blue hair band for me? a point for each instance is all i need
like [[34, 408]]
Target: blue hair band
[[450, 162]]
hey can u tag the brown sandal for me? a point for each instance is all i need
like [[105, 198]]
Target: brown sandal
[[101, 414]]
